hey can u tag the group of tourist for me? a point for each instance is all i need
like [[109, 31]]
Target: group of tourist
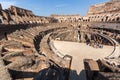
[[95, 44], [92, 42]]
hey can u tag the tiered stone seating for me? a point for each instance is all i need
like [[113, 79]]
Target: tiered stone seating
[[19, 50], [26, 48], [21, 39]]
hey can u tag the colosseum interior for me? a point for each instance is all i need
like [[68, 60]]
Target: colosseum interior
[[60, 47]]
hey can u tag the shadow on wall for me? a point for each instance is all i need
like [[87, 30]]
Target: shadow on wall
[[53, 73], [75, 76], [57, 73], [36, 42], [21, 74]]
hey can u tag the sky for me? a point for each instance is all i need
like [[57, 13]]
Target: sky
[[47, 7]]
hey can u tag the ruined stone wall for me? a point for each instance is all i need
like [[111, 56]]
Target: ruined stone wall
[[104, 12], [66, 18], [109, 7], [16, 15], [20, 11]]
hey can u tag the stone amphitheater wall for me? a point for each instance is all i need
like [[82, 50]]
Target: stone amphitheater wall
[[18, 56], [104, 12], [108, 7], [25, 38], [16, 15]]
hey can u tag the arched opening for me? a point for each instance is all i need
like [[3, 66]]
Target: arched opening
[[102, 20], [79, 19], [117, 19], [106, 18], [113, 20]]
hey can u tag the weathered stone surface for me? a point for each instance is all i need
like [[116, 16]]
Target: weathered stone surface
[[20, 63], [65, 18], [104, 12], [13, 46], [108, 7], [4, 74], [105, 70], [16, 15]]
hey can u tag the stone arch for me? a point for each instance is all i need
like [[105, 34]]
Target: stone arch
[[106, 18], [102, 19], [117, 19], [79, 18], [113, 19]]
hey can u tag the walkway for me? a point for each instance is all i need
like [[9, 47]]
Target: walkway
[[80, 51]]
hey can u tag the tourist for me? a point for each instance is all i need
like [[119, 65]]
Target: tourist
[[79, 33]]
